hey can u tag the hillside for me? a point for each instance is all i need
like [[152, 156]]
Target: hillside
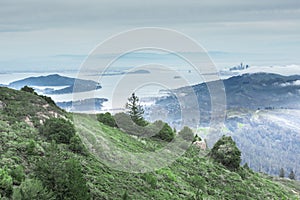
[[56, 80], [32, 162], [248, 91], [262, 115]]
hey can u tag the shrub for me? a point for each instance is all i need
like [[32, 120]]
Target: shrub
[[6, 183], [17, 174], [107, 119], [187, 134], [76, 145], [226, 152], [166, 133], [32, 189], [58, 129], [28, 89]]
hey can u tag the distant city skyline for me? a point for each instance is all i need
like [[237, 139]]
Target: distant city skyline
[[53, 35]]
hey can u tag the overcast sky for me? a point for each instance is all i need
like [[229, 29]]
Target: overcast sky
[[56, 34]]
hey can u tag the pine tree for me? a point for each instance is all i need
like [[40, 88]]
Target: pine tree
[[292, 175], [227, 153], [281, 173], [135, 110]]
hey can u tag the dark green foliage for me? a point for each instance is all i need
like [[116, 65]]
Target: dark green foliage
[[226, 152], [107, 119], [58, 129], [31, 90], [135, 110], [30, 147], [246, 166], [125, 196], [17, 173], [32, 189], [281, 173], [48, 100], [28, 89], [77, 146], [197, 138], [292, 175], [75, 183], [165, 133], [6, 183], [62, 174], [187, 134], [58, 170]]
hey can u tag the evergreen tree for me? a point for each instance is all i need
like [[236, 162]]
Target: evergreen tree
[[135, 110], [292, 175], [281, 173], [226, 152]]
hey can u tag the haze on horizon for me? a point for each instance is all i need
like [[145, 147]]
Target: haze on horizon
[[55, 35]]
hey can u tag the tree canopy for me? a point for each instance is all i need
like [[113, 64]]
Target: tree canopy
[[135, 110], [226, 152]]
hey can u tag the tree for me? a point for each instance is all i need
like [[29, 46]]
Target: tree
[[281, 173], [58, 129], [135, 110], [292, 175], [165, 133], [226, 152], [187, 134]]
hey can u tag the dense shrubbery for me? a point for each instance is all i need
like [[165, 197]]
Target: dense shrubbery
[[32, 189], [166, 133], [226, 152], [58, 129], [28, 89], [187, 134], [33, 168], [107, 119], [6, 183], [62, 174]]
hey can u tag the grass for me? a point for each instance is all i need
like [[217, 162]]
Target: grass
[[192, 175]]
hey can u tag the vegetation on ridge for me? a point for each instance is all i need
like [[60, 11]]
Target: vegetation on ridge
[[34, 166]]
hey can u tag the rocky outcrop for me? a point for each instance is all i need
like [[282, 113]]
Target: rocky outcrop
[[200, 144]]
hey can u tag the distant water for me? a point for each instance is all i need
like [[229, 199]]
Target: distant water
[[164, 81]]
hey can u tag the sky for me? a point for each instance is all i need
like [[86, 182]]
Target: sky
[[59, 35]]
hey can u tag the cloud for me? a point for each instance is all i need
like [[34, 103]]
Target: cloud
[[34, 14]]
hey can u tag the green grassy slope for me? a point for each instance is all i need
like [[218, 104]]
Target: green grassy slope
[[191, 176]]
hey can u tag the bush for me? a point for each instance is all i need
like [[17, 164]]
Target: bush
[[58, 129], [166, 133], [187, 134], [107, 119], [76, 145], [226, 152], [6, 183], [17, 174], [62, 174], [28, 89], [32, 189]]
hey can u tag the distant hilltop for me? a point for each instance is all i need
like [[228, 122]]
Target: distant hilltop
[[69, 84]]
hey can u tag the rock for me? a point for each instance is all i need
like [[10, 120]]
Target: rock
[[200, 144]]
